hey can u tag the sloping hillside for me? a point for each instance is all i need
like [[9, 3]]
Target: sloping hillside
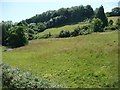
[[89, 61], [55, 31]]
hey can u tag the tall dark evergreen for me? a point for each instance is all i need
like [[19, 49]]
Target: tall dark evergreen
[[101, 15]]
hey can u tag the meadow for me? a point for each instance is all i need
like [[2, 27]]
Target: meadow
[[56, 30], [87, 61]]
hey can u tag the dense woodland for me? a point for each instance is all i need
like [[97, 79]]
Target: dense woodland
[[19, 34]]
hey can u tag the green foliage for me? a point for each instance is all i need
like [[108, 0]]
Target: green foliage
[[33, 26], [17, 37], [101, 15], [56, 21], [83, 30], [15, 78], [118, 22], [64, 34], [115, 11], [31, 33], [5, 26], [110, 22], [22, 23], [96, 25], [62, 16], [41, 27], [112, 27], [75, 32]]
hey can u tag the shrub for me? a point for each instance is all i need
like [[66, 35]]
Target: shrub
[[85, 27], [41, 27], [112, 27], [84, 30], [118, 22], [14, 79], [31, 33], [75, 32], [64, 34], [110, 22], [17, 37], [96, 25]]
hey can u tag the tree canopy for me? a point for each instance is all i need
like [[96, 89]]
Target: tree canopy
[[101, 15], [114, 12], [63, 16]]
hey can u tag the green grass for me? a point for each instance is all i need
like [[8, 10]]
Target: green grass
[[88, 61], [55, 31], [114, 18]]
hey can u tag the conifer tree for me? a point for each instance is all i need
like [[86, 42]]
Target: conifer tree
[[101, 15]]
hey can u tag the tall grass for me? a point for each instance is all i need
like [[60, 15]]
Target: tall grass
[[89, 61]]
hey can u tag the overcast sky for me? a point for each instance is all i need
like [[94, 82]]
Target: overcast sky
[[17, 10]]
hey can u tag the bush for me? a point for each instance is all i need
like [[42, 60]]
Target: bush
[[112, 27], [111, 22], [118, 22], [64, 34], [31, 33], [17, 37], [13, 79], [41, 27], [84, 30], [75, 32], [96, 25]]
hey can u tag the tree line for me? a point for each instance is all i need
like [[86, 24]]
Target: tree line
[[114, 12], [62, 16]]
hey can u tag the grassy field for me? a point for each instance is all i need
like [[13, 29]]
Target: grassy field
[[88, 61], [57, 30], [113, 18]]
